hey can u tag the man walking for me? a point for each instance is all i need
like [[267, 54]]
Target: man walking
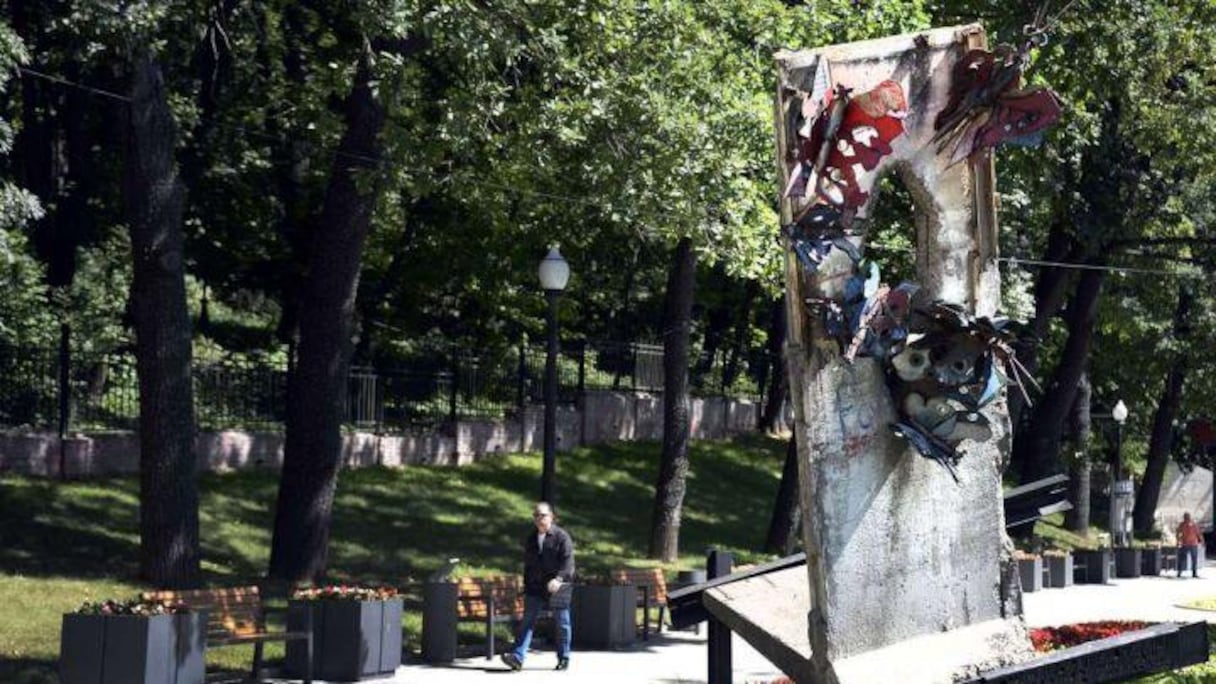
[[548, 574], [1188, 544]]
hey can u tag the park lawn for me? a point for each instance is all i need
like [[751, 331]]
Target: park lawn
[[1054, 534], [63, 543]]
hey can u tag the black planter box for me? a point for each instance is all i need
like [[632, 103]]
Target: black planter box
[[1127, 562], [1060, 571], [1031, 570], [604, 616], [351, 640], [130, 649], [1150, 562], [1092, 567]]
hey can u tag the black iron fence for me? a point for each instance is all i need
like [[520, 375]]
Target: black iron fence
[[40, 388]]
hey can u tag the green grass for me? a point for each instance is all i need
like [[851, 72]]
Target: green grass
[[1054, 535], [63, 543], [1202, 604]]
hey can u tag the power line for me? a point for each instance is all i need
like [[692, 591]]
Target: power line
[[1017, 261], [1013, 261], [81, 86]]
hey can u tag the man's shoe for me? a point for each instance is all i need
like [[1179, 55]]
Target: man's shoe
[[511, 661], [562, 664]]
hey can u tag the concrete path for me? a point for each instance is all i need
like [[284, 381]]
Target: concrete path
[[680, 657]]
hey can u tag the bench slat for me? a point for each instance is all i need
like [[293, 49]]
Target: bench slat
[[645, 577], [473, 594], [235, 614]]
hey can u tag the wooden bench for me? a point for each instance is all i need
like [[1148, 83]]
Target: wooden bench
[[236, 615], [653, 587], [490, 600]]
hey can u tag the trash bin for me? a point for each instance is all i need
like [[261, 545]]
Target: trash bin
[[687, 578], [439, 622]]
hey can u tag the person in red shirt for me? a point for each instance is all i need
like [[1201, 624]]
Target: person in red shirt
[[1188, 544]]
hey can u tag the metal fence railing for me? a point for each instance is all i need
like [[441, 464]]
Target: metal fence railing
[[101, 391]]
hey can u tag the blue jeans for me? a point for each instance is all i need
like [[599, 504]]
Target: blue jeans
[[1193, 552], [532, 607]]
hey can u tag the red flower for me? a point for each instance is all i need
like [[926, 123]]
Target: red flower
[[1052, 638]]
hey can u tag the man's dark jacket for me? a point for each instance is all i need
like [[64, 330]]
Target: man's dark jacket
[[542, 565]]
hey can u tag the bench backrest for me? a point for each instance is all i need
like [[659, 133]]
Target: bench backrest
[[506, 591], [644, 577], [232, 611]]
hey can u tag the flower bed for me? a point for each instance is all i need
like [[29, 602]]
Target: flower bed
[[344, 592], [132, 642], [132, 607], [356, 631], [1052, 638]]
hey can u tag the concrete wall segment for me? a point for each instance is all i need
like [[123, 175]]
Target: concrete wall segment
[[600, 417], [896, 549]]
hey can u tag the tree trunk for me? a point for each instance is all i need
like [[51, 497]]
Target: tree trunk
[[292, 166], [717, 321], [168, 512], [673, 466], [318, 383], [779, 381], [785, 509], [743, 325], [1050, 290], [1079, 469], [1038, 451], [1162, 440]]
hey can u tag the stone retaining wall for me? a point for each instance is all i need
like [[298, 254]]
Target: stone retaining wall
[[599, 417]]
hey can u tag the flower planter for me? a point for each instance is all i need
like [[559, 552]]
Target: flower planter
[[1127, 562], [1092, 567], [352, 640], [604, 616], [133, 649], [1150, 562], [1060, 571], [1031, 570]]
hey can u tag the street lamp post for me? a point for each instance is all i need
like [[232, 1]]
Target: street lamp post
[[554, 273], [1118, 497]]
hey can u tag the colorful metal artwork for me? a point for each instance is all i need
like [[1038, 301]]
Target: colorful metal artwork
[[988, 108], [845, 132], [943, 364]]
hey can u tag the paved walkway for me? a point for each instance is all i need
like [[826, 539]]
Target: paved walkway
[[1153, 599], [679, 657]]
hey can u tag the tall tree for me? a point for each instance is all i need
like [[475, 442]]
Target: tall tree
[[778, 379], [673, 463], [168, 513], [1079, 465], [784, 521], [317, 386], [1161, 439]]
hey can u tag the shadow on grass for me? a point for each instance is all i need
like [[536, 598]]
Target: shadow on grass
[[28, 671], [397, 525], [76, 529]]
